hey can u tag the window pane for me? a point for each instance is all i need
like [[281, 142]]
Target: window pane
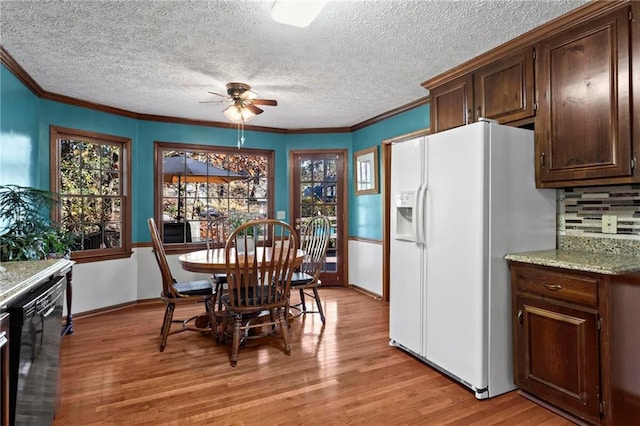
[[318, 170], [90, 183], [306, 170], [112, 235], [91, 156], [110, 183]]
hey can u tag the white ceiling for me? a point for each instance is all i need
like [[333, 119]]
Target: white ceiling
[[357, 60]]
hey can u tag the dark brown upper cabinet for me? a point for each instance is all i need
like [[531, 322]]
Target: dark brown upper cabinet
[[502, 90], [451, 104], [583, 127]]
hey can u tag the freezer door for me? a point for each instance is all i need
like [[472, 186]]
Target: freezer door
[[406, 269], [456, 228]]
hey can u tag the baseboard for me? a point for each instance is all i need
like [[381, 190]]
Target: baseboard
[[365, 291], [112, 308]]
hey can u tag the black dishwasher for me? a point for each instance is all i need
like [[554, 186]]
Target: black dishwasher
[[34, 346]]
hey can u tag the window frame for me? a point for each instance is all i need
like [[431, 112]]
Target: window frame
[[93, 255], [160, 146]]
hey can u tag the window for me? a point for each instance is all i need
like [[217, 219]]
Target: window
[[90, 172], [196, 183]]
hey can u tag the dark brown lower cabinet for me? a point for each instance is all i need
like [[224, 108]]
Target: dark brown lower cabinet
[[560, 362], [576, 339]]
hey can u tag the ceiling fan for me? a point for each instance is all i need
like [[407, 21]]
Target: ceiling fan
[[243, 102], [243, 106]]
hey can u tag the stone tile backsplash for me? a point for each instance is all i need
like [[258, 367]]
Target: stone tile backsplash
[[580, 212]]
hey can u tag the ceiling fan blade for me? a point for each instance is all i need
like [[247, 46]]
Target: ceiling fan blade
[[212, 102], [218, 94], [269, 102], [254, 109]]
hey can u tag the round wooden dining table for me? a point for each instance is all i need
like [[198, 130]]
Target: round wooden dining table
[[213, 260]]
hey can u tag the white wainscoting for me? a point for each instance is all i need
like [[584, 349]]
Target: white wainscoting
[[98, 285], [365, 265]]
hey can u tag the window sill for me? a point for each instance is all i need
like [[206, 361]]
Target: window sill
[[84, 257]]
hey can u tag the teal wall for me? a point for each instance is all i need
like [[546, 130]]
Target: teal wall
[[19, 132], [25, 120], [365, 211]]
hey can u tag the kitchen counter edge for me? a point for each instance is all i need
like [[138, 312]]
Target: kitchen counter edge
[[26, 275], [601, 263]]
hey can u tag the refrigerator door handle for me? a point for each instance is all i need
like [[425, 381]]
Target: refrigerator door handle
[[423, 219], [415, 224]]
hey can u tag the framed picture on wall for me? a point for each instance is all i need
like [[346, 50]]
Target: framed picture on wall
[[366, 171]]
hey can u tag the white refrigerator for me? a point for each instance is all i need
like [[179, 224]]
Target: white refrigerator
[[461, 200]]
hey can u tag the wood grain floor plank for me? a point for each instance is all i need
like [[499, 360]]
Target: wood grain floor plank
[[344, 374]]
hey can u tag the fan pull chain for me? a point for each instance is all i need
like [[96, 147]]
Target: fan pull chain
[[242, 137], [241, 134]]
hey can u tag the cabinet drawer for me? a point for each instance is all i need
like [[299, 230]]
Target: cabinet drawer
[[573, 288]]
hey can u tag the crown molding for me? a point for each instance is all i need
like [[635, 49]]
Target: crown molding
[[406, 107], [15, 68]]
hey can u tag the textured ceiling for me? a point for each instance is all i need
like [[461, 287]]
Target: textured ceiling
[[357, 60]]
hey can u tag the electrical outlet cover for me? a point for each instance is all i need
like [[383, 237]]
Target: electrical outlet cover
[[609, 224]]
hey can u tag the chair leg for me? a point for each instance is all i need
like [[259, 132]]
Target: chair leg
[[236, 339], [319, 303], [209, 307], [219, 289], [287, 311], [304, 306], [164, 320], [225, 327], [168, 316], [284, 330]]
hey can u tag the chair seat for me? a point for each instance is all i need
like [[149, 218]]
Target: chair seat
[[300, 278], [220, 277], [194, 288]]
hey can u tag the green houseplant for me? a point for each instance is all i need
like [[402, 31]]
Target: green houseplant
[[245, 240], [237, 218], [26, 229]]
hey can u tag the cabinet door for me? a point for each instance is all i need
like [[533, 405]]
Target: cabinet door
[[451, 104], [504, 88], [557, 355], [583, 131]]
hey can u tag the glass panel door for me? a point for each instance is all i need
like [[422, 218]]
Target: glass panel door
[[319, 185]]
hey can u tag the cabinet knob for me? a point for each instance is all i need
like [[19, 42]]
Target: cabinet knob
[[469, 112], [478, 113], [542, 159], [520, 316]]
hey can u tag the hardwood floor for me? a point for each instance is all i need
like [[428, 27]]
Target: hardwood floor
[[112, 373]]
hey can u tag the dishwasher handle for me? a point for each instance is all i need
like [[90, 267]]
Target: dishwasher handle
[[46, 303]]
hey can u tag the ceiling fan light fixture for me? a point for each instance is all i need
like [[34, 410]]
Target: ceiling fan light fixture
[[238, 114], [297, 13]]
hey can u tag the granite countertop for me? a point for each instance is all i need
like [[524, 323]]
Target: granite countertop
[[17, 278], [601, 263]]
